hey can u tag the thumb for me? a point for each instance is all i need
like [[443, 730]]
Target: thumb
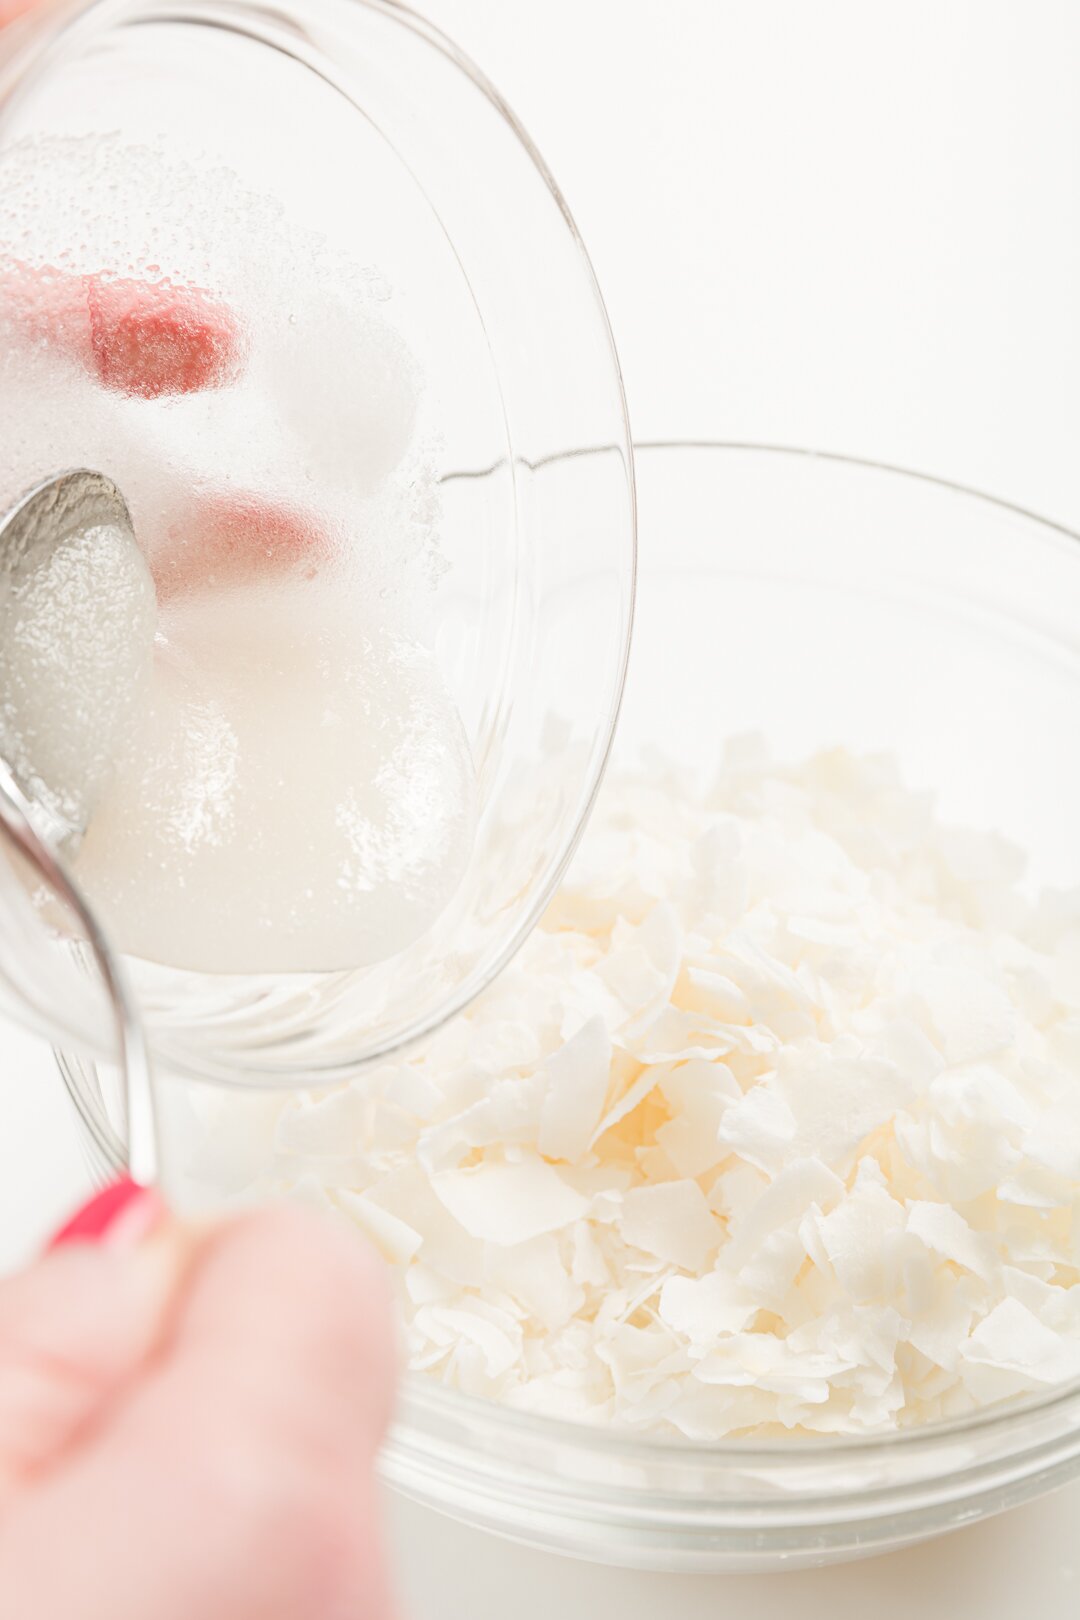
[[79, 1324], [235, 1480], [11, 10]]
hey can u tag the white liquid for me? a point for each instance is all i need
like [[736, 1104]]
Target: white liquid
[[284, 785], [297, 796]]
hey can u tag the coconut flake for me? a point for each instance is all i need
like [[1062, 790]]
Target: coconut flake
[[800, 1184], [394, 1238], [1053, 1139], [577, 1076], [946, 1233], [760, 1128], [971, 1011], [699, 1094], [855, 1236], [1011, 1352], [671, 1220], [330, 1124], [533, 1273], [701, 1309], [509, 1203]]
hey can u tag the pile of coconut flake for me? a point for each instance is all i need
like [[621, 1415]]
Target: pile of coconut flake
[[774, 1123]]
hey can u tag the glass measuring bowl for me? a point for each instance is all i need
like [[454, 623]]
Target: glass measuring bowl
[[823, 601], [463, 250]]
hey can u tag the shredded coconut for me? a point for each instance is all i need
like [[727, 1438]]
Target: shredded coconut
[[772, 1126]]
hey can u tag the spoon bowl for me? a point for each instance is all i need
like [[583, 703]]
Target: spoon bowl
[[77, 617]]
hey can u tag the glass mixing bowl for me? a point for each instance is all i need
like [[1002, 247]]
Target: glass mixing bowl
[[823, 601], [462, 251]]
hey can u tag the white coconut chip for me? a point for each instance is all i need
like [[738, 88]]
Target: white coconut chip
[[394, 1238], [1011, 1353], [671, 1220], [509, 1203], [576, 1078]]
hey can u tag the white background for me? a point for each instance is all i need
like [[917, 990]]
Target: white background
[[838, 223], [847, 224]]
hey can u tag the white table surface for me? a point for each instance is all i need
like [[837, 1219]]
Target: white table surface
[[848, 226], [1022, 1566]]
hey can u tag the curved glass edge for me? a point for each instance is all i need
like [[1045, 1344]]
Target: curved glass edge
[[33, 989], [1007, 1426], [682, 1542], [612, 1497]]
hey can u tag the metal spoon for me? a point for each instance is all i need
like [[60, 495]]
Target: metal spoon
[[45, 983], [77, 617]]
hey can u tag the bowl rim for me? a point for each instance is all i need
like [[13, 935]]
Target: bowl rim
[[873, 464], [423, 1395]]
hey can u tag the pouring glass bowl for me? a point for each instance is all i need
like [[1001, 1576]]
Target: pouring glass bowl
[[821, 600], [529, 616]]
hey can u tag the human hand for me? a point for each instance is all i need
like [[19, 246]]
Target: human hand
[[188, 1423], [12, 10]]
